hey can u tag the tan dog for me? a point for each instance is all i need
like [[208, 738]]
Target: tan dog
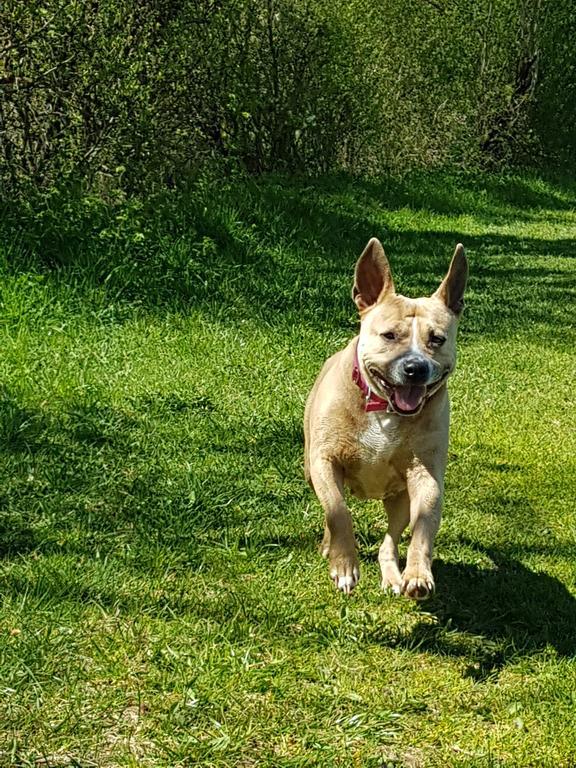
[[377, 421]]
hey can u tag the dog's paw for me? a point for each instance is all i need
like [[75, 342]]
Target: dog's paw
[[418, 583], [391, 578], [345, 572]]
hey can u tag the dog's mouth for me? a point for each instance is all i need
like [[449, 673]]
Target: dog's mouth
[[406, 399]]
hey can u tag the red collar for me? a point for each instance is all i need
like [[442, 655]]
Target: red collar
[[371, 401]]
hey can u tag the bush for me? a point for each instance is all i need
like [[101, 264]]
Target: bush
[[128, 94]]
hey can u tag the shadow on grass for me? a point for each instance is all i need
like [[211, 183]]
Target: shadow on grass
[[89, 474], [282, 251], [86, 481], [446, 193], [493, 616]]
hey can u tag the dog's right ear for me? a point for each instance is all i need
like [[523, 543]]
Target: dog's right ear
[[372, 277]]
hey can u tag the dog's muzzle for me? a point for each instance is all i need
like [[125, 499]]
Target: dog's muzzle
[[409, 384]]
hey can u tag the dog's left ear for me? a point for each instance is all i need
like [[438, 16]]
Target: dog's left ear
[[372, 276], [451, 290]]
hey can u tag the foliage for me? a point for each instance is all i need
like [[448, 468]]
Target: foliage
[[131, 94], [554, 108]]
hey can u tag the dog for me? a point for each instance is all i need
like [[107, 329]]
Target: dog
[[377, 419]]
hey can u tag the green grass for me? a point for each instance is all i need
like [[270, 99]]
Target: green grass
[[163, 601]]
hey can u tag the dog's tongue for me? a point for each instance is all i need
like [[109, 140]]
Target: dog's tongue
[[409, 397]]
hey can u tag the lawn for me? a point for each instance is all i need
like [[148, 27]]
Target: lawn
[[163, 599]]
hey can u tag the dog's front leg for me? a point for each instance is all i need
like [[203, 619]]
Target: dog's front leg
[[339, 544], [425, 492]]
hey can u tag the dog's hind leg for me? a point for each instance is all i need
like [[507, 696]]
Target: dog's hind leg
[[398, 510]]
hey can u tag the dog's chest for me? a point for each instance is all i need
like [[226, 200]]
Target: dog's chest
[[375, 476], [379, 438]]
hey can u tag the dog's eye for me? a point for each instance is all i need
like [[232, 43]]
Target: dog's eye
[[389, 335], [436, 340]]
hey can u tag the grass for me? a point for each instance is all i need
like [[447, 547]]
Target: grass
[[163, 601]]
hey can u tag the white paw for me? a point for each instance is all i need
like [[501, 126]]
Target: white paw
[[347, 583], [345, 574], [392, 589], [391, 578], [418, 583]]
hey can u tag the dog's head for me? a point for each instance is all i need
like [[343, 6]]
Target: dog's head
[[407, 347]]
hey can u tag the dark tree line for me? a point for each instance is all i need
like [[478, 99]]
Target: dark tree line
[[138, 93]]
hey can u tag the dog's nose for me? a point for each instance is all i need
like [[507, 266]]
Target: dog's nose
[[416, 369]]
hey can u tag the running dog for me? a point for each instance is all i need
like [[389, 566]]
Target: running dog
[[377, 420]]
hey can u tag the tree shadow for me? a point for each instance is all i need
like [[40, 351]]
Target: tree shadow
[[302, 272], [498, 196], [90, 475], [281, 251], [487, 616], [85, 473]]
